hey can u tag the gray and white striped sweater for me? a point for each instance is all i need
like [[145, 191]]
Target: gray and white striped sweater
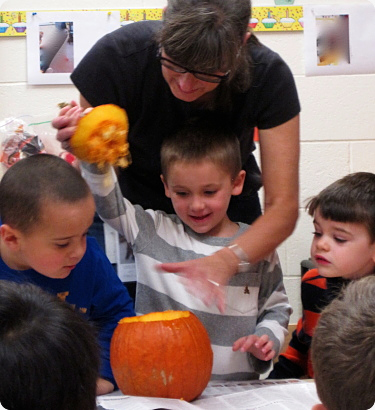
[[256, 302]]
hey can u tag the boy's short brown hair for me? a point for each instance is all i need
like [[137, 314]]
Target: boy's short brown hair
[[349, 199], [29, 182], [343, 349], [202, 139]]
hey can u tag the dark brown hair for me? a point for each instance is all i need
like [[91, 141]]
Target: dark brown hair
[[29, 182], [48, 353], [202, 140], [349, 199], [208, 36]]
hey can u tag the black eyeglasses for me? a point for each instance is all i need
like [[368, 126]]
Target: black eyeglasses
[[177, 68]]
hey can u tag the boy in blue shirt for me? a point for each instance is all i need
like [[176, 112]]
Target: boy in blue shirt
[[46, 209]]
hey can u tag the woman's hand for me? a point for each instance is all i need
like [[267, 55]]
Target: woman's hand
[[206, 277], [66, 123]]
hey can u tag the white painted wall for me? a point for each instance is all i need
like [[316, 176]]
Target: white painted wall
[[337, 119]]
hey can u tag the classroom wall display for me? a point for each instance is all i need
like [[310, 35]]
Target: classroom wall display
[[339, 39], [283, 18], [57, 41], [12, 23], [280, 18]]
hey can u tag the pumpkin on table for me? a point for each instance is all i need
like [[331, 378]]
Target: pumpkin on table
[[162, 354], [101, 136]]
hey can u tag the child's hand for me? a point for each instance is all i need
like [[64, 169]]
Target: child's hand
[[103, 387], [260, 347]]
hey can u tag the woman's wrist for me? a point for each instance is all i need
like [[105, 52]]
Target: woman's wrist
[[227, 263], [242, 257]]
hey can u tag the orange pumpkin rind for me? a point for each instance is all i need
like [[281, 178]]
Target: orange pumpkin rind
[[162, 354], [101, 137]]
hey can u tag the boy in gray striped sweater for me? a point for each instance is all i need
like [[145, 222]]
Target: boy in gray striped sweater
[[201, 170]]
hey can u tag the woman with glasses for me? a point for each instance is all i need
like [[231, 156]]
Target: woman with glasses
[[202, 58]]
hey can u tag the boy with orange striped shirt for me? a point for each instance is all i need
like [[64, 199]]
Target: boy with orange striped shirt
[[343, 249]]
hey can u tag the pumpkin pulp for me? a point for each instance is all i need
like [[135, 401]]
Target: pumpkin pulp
[[101, 136], [157, 316]]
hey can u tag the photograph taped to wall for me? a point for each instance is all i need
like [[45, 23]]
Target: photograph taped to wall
[[57, 41], [56, 47], [332, 42], [339, 39]]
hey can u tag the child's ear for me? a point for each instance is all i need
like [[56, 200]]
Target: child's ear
[[10, 236], [166, 189], [237, 183]]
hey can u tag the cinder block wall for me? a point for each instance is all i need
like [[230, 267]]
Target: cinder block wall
[[337, 136], [337, 119]]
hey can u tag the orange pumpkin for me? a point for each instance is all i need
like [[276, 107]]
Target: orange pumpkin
[[162, 354], [101, 136]]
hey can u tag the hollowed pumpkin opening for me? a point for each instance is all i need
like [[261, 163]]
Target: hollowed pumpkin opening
[[157, 316]]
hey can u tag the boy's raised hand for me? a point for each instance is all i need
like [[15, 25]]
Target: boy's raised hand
[[259, 346]]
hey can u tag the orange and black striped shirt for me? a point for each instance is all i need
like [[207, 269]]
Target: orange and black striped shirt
[[316, 293]]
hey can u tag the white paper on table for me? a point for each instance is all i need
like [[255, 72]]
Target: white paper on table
[[361, 38], [288, 394], [117, 401], [297, 396]]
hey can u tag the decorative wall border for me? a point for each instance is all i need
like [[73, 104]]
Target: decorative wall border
[[280, 18]]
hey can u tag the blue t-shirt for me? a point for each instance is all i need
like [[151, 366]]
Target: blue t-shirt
[[92, 288]]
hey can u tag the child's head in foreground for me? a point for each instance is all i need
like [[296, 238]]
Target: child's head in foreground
[[46, 209], [343, 349], [48, 353], [344, 221], [201, 170]]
